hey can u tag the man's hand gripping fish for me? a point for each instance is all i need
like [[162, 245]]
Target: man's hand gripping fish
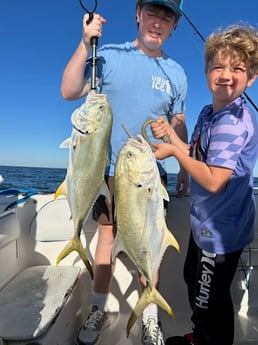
[[142, 232], [88, 156]]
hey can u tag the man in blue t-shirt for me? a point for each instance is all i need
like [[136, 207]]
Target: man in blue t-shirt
[[141, 83]]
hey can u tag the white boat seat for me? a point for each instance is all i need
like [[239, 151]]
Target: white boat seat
[[59, 229], [33, 299]]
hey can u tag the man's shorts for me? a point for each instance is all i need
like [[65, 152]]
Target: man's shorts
[[103, 211]]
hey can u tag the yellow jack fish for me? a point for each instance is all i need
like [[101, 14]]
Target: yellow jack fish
[[142, 232], [88, 155]]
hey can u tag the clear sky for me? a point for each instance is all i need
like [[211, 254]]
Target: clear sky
[[38, 38]]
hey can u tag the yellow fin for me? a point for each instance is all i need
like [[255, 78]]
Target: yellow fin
[[61, 190], [171, 241], [164, 193]]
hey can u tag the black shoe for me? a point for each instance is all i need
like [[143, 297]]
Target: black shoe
[[188, 339]]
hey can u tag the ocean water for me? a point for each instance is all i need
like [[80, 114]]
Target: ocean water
[[44, 180], [47, 180]]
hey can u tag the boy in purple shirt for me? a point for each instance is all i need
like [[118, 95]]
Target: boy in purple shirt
[[220, 160]]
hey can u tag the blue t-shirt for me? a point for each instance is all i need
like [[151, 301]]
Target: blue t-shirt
[[224, 222], [138, 88]]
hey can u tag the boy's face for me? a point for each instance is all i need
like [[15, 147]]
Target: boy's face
[[155, 25], [227, 79]]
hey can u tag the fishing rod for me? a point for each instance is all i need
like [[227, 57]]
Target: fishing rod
[[94, 45], [203, 39]]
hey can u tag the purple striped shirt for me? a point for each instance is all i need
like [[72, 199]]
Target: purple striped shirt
[[224, 222]]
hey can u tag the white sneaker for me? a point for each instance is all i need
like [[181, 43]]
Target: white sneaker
[[152, 333], [89, 333]]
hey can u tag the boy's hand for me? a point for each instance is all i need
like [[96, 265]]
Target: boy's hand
[[162, 150]]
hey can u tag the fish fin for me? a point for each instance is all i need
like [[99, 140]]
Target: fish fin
[[105, 191], [118, 247], [61, 190], [149, 295], [171, 240], [75, 245], [66, 143], [164, 193]]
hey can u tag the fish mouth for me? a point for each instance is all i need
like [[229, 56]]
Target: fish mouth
[[94, 97], [82, 119], [147, 179], [139, 142]]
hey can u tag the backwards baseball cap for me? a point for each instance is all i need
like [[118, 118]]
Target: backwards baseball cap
[[174, 5]]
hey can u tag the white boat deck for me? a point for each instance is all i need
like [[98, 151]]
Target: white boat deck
[[39, 306]]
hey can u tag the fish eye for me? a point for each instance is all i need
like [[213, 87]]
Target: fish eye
[[129, 154]]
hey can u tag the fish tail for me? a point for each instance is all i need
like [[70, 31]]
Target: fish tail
[[75, 245], [149, 295]]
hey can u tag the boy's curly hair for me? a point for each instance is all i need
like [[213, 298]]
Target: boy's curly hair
[[239, 40]]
